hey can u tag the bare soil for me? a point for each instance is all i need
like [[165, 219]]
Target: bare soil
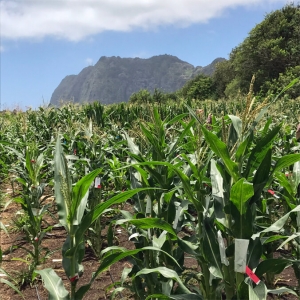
[[103, 285]]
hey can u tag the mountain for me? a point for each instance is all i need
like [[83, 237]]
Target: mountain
[[115, 79]]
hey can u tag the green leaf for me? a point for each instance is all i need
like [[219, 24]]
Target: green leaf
[[158, 296], [284, 162], [184, 179], [220, 149], [80, 196], [274, 238], [147, 223], [175, 297], [240, 193], [277, 226], [187, 246], [12, 286], [29, 165], [259, 292], [255, 251], [186, 297], [261, 176], [93, 215], [192, 112], [291, 237], [286, 183], [242, 149], [180, 138], [282, 290], [272, 265], [237, 124], [211, 248], [53, 283], [259, 151], [63, 185], [242, 225], [167, 273]]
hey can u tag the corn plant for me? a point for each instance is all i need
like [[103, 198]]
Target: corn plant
[[238, 179], [71, 204], [290, 194], [34, 208], [154, 208]]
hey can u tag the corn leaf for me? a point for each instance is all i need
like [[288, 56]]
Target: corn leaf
[[80, 195], [63, 185], [147, 223], [240, 193], [220, 149], [272, 265], [211, 249], [283, 162], [53, 283], [260, 150], [167, 273], [93, 215]]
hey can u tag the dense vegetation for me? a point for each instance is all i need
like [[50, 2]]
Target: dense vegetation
[[202, 177]]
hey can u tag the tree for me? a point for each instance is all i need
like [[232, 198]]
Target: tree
[[201, 87], [276, 85], [271, 48], [222, 76]]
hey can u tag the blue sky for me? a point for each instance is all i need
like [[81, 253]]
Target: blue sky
[[43, 41]]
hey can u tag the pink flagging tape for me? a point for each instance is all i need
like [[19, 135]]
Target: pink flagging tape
[[273, 194], [252, 276], [72, 279]]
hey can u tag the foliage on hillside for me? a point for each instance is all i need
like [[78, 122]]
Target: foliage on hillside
[[271, 52]]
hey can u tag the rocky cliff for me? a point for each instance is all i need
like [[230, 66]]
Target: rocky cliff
[[115, 79]]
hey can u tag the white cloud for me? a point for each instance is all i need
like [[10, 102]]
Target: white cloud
[[89, 61], [77, 19]]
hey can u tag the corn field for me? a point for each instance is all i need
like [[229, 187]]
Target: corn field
[[218, 182]]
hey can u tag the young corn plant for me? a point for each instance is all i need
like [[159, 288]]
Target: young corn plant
[[154, 208], [34, 208], [71, 204]]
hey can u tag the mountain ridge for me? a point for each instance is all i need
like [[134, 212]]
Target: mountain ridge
[[115, 79]]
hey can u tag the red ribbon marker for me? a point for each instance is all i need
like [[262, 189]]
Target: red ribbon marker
[[72, 279], [252, 276], [273, 194]]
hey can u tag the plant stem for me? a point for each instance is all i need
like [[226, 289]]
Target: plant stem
[[72, 263], [203, 265], [229, 279]]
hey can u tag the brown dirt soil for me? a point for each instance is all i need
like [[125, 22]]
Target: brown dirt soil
[[103, 285]]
